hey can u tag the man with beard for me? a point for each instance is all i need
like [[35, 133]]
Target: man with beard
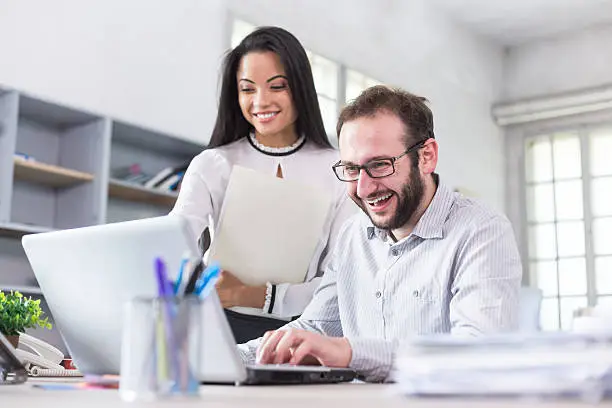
[[421, 259]]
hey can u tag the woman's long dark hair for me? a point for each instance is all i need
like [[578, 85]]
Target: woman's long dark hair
[[231, 124]]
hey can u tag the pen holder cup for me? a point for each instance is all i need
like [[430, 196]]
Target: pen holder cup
[[160, 348]]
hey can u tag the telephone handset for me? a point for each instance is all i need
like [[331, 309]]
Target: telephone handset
[[41, 358]]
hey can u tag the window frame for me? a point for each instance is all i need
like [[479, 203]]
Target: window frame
[[516, 186], [341, 79]]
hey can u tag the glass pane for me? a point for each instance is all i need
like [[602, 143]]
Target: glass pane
[[568, 200], [603, 274], [572, 276], [602, 236], [604, 300], [538, 160], [542, 241], [325, 73], [568, 307], [329, 114], [570, 236], [601, 146], [601, 191], [549, 314], [540, 203], [566, 157], [240, 30], [369, 82], [546, 275], [355, 84]]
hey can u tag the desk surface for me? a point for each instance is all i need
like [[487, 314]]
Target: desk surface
[[319, 396]]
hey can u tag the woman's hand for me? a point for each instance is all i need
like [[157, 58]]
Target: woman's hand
[[233, 292]]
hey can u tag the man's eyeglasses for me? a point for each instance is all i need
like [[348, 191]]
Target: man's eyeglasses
[[378, 168]]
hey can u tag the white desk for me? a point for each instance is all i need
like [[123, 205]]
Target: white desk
[[306, 396]]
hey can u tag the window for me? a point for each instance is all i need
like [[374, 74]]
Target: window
[[328, 76], [240, 29], [356, 83], [569, 220], [325, 73]]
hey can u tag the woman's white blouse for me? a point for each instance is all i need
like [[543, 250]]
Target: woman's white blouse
[[203, 190]]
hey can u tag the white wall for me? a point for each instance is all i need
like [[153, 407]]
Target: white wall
[[567, 63], [406, 44], [156, 62], [152, 62]]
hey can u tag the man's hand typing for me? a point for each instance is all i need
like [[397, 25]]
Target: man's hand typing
[[296, 346]]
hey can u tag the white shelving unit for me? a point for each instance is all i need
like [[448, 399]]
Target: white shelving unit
[[65, 181]]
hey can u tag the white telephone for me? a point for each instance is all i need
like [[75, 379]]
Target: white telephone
[[43, 359]]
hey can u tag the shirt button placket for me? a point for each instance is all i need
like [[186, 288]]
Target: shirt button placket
[[380, 323]]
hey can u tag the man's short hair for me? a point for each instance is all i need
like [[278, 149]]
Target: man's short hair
[[411, 109]]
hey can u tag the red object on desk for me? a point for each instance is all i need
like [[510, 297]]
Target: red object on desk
[[68, 364]]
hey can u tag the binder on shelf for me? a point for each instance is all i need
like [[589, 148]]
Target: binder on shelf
[[159, 177], [171, 182], [132, 174], [168, 178]]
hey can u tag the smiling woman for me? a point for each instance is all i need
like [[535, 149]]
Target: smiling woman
[[268, 120], [265, 99]]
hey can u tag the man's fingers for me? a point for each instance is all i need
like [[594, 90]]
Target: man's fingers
[[263, 341], [301, 352], [287, 343], [268, 347], [266, 335]]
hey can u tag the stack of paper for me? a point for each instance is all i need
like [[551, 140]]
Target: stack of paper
[[553, 364]]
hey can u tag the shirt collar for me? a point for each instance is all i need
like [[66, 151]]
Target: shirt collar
[[431, 224]]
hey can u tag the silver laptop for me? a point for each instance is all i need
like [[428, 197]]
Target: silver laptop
[[87, 275]]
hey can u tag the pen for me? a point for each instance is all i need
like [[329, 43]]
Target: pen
[[160, 343], [193, 278], [179, 278], [169, 346], [209, 278]]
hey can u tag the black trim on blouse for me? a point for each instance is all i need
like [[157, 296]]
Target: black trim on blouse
[[276, 154], [272, 298]]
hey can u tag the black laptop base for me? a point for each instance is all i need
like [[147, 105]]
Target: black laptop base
[[295, 377]]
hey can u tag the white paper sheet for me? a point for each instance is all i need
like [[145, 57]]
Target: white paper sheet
[[269, 227]]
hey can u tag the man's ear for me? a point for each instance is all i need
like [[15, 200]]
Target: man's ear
[[428, 159]]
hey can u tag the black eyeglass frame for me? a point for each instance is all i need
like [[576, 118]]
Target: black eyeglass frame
[[367, 166]]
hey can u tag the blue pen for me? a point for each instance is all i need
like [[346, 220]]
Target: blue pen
[[179, 278], [209, 278]]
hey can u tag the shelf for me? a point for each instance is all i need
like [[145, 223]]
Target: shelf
[[47, 174], [26, 290], [16, 230], [134, 192], [166, 144], [52, 114]]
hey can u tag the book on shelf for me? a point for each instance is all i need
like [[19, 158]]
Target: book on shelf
[[168, 178], [131, 174], [23, 156], [171, 182]]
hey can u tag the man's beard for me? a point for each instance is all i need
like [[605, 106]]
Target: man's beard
[[408, 201]]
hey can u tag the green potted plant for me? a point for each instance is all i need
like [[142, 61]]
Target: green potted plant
[[17, 313]]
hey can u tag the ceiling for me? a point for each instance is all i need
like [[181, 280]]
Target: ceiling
[[512, 22]]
